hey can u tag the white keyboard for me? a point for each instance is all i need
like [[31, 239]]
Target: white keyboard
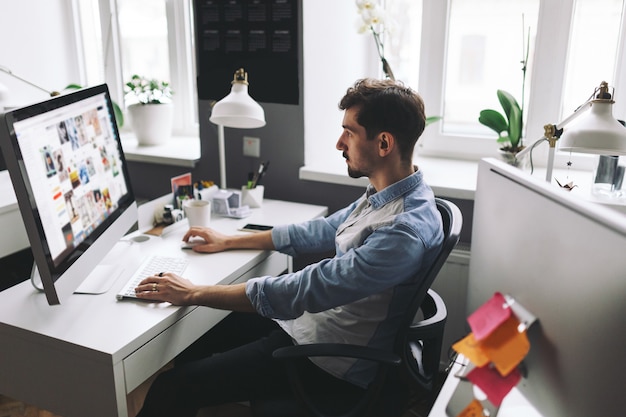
[[153, 265]]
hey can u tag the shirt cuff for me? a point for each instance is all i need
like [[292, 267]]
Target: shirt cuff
[[254, 292]]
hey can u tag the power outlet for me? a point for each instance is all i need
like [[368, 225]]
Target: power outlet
[[251, 147]]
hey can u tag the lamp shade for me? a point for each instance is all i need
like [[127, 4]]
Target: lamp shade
[[238, 109], [596, 132]]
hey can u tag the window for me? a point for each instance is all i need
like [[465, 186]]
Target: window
[[153, 38], [474, 48]]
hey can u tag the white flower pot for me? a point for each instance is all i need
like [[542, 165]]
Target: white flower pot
[[152, 123]]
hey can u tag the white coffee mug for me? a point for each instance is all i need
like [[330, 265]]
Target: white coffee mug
[[198, 212]]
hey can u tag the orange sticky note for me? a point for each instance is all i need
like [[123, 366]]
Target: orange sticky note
[[472, 350], [474, 409], [506, 347], [494, 385], [489, 316]]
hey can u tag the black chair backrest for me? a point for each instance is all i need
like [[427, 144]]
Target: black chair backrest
[[452, 222]]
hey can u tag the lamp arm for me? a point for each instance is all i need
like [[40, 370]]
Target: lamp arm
[[552, 134], [9, 72]]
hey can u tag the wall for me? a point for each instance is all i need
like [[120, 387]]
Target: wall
[[38, 44]]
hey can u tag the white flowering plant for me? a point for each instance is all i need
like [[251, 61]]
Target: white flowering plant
[[148, 91], [374, 19]]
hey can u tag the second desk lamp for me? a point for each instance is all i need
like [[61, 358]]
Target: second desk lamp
[[236, 110], [596, 133]]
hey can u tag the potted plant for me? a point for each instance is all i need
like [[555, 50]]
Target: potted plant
[[508, 127], [150, 110]]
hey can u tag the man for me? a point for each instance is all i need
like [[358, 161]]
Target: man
[[381, 241]]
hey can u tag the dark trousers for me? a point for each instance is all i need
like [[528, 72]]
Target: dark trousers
[[231, 363]]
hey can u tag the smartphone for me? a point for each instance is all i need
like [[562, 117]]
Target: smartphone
[[255, 228]]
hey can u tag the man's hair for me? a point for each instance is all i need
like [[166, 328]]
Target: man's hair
[[388, 106]]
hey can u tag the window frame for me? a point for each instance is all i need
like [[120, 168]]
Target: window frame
[[181, 60], [542, 108]]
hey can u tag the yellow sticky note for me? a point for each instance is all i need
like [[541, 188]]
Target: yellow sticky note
[[472, 350], [506, 347], [474, 409]]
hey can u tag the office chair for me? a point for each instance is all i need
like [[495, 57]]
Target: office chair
[[417, 346]]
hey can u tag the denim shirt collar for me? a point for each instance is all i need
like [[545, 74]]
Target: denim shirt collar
[[384, 196]]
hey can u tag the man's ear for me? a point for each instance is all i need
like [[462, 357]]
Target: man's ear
[[386, 143]]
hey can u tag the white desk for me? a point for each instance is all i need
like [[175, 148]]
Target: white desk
[[81, 358]]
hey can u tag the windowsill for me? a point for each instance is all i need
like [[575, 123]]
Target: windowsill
[[454, 178], [448, 178], [181, 151]]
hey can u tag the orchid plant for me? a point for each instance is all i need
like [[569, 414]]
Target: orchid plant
[[373, 19], [510, 126]]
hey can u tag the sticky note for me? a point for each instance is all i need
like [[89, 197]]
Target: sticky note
[[474, 409], [494, 385], [472, 350], [506, 347], [489, 316]]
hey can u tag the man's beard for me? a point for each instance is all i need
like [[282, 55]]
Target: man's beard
[[353, 173]]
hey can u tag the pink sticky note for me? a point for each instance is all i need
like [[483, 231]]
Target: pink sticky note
[[489, 316], [495, 386]]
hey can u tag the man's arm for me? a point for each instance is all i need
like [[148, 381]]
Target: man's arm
[[218, 242], [180, 291]]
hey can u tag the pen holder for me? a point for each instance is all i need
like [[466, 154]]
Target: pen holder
[[252, 197]]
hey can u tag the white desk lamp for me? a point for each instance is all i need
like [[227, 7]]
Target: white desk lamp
[[597, 133], [237, 110]]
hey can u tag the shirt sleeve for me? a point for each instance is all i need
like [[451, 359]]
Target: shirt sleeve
[[369, 269], [314, 236]]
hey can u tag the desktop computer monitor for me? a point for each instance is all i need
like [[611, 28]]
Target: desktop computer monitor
[[563, 259], [69, 174]]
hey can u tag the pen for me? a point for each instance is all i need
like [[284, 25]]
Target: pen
[[250, 179], [262, 170]]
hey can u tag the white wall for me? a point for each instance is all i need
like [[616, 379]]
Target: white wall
[[38, 44], [335, 56]]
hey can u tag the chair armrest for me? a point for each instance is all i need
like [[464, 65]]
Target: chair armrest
[[435, 312], [338, 350]]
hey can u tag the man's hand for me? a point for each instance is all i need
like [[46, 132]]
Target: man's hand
[[177, 290], [218, 242], [213, 241], [167, 287]]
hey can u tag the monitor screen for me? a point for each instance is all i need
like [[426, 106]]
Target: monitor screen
[[70, 177], [562, 258]]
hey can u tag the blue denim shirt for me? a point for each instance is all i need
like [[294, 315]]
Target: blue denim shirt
[[383, 241]]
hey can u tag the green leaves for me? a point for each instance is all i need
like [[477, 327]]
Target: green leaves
[[509, 130], [432, 119]]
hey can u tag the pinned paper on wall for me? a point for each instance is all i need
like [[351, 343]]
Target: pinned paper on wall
[[489, 316], [506, 347], [494, 385], [474, 409], [496, 346], [472, 350]]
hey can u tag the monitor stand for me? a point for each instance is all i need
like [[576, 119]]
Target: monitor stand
[[99, 281]]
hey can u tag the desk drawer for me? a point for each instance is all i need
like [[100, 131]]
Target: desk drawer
[[155, 354]]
